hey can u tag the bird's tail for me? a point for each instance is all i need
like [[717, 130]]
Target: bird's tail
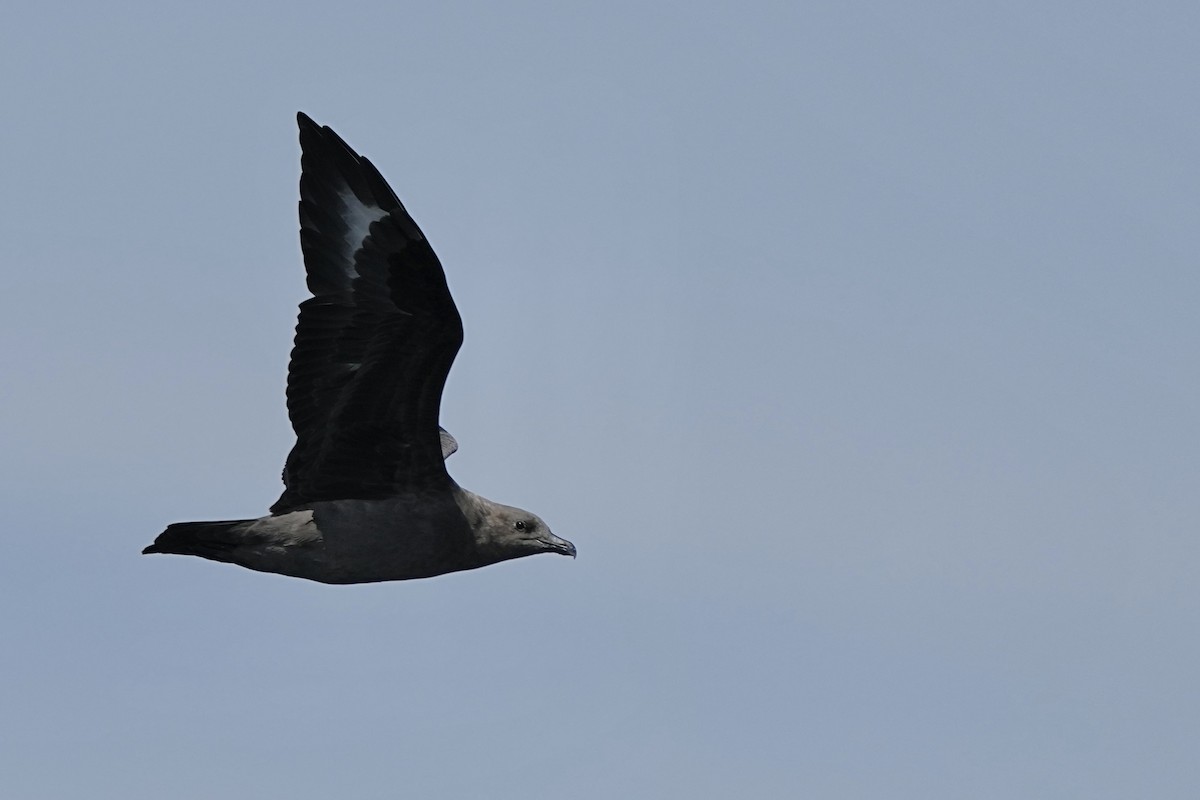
[[213, 540]]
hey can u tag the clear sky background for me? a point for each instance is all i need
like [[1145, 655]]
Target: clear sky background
[[854, 345]]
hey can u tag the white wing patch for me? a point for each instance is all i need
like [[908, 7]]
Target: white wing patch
[[358, 218]]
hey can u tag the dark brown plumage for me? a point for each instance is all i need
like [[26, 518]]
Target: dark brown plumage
[[366, 493]]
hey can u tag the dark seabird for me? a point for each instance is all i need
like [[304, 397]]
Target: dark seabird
[[366, 493]]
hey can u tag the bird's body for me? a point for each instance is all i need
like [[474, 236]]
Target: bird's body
[[367, 497]]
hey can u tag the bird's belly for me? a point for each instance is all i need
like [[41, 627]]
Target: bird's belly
[[368, 541]]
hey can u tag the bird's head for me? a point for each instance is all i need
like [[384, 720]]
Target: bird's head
[[514, 532]]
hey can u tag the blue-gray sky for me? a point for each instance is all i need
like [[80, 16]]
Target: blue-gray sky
[[854, 345]]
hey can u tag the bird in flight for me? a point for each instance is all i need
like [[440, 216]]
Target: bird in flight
[[366, 494]]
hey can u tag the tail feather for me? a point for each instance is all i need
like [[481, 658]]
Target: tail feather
[[213, 540]]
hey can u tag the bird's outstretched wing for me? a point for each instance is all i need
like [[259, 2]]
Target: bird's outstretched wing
[[373, 344]]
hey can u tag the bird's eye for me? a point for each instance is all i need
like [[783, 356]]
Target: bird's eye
[[519, 524]]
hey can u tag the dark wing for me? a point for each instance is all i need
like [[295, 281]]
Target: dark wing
[[373, 344]]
